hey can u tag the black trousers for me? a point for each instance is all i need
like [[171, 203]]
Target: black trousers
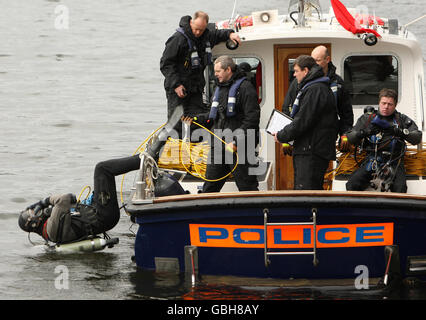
[[309, 172], [243, 179], [360, 179], [192, 106], [105, 194]]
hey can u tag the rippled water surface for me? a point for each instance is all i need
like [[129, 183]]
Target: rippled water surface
[[70, 98]]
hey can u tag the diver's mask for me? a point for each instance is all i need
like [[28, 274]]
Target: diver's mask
[[30, 221]]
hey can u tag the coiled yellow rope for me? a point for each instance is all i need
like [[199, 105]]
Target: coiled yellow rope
[[172, 157], [196, 167], [414, 161]]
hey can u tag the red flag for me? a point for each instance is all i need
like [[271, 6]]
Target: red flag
[[347, 21]]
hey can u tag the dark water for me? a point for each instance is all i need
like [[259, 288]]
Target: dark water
[[71, 98]]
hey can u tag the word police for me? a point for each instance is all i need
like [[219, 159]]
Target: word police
[[232, 309]]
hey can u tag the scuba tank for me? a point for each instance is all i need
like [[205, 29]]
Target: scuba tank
[[87, 245]]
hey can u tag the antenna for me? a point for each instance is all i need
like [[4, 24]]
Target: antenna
[[233, 11], [301, 15], [415, 20]]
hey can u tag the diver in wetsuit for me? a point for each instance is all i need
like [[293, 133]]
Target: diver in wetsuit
[[61, 219], [382, 135]]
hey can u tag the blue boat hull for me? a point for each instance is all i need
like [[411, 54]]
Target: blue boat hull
[[352, 232]]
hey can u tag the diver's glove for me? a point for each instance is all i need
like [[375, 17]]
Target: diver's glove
[[369, 131], [395, 131], [73, 198], [40, 205], [380, 123], [287, 149], [344, 144]]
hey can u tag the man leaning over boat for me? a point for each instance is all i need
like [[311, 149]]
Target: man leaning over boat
[[186, 54], [382, 134]]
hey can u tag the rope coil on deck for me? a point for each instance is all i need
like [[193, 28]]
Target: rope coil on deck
[[414, 161], [183, 156]]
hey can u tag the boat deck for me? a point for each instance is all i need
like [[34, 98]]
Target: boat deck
[[288, 198]]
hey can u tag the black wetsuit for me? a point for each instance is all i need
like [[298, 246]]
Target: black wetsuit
[[390, 149], [102, 215]]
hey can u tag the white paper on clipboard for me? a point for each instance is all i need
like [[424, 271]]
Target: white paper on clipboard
[[277, 122]]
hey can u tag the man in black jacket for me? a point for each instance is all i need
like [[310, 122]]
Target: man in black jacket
[[314, 126], [337, 85], [187, 53], [383, 135], [234, 116]]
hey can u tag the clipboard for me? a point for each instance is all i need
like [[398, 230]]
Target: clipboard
[[277, 121]]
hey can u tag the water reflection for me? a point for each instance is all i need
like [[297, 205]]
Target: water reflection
[[152, 285]]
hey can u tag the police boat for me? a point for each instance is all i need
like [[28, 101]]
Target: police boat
[[278, 232]]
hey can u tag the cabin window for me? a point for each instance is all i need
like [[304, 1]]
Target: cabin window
[[365, 76], [291, 76], [250, 65]]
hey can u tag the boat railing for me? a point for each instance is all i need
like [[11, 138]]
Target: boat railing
[[267, 251]]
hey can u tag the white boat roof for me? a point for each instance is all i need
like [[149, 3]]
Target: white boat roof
[[282, 26]]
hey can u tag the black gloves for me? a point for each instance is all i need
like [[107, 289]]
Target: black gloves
[[369, 131], [73, 198], [287, 149], [344, 144], [395, 131], [40, 205], [373, 130]]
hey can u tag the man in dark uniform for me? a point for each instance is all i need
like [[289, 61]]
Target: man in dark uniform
[[314, 127], [337, 85], [383, 135], [187, 53], [235, 109]]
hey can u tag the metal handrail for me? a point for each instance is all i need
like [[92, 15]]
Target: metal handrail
[[269, 253]]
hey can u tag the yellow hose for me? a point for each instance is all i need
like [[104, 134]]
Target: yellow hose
[[81, 192], [197, 173]]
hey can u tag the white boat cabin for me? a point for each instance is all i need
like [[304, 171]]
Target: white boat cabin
[[270, 43]]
